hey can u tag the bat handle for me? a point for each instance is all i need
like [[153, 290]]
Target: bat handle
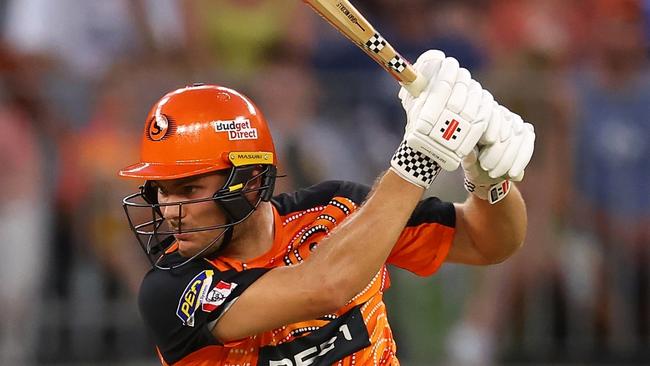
[[416, 86]]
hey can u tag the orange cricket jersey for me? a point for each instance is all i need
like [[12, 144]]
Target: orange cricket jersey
[[181, 306]]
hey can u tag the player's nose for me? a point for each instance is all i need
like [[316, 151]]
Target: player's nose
[[173, 213]]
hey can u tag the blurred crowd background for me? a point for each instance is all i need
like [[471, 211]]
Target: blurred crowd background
[[77, 78]]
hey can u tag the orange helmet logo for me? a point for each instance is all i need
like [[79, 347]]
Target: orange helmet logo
[[159, 127]]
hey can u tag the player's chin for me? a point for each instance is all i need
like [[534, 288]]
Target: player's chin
[[191, 246], [187, 244]]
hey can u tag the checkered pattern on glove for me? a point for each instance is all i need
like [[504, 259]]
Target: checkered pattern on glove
[[414, 166], [446, 120]]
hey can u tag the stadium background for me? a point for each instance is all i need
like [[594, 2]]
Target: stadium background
[[78, 76]]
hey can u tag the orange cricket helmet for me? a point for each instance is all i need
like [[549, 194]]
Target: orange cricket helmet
[[200, 129], [192, 131]]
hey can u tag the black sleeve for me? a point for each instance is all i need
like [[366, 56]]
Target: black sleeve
[[177, 305], [433, 210], [320, 194]]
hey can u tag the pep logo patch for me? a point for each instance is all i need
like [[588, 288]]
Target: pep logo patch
[[191, 298]]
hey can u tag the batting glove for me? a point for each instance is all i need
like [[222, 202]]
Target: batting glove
[[502, 155], [445, 121], [509, 145]]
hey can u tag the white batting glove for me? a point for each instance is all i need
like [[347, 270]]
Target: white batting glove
[[445, 121], [478, 182], [502, 155], [507, 145]]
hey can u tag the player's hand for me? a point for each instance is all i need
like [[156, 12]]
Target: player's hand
[[447, 119], [507, 145], [478, 182]]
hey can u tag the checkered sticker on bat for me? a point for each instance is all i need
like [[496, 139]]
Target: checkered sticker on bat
[[397, 64], [376, 43]]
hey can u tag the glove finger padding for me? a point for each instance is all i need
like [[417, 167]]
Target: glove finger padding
[[477, 101], [508, 157], [439, 91], [491, 154], [491, 133], [474, 101], [427, 66], [524, 155], [459, 93], [505, 127]]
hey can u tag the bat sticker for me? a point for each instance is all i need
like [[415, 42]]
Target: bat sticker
[[397, 64], [350, 16], [376, 43]]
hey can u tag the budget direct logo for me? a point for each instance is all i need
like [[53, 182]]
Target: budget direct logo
[[237, 129], [191, 298]]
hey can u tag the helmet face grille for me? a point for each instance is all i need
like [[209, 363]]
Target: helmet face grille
[[155, 235]]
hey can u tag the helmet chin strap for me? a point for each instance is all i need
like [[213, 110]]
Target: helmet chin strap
[[226, 234], [227, 237]]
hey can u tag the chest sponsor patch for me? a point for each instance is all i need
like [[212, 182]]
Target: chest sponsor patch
[[340, 338]]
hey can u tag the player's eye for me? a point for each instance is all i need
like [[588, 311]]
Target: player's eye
[[162, 192], [189, 190]]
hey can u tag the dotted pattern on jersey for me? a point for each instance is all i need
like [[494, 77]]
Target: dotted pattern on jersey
[[340, 206], [308, 237], [327, 217], [313, 230], [301, 213], [300, 331]]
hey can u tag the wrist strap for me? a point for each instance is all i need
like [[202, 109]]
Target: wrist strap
[[414, 166], [492, 193]]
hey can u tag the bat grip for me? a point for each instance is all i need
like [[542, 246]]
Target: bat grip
[[416, 86]]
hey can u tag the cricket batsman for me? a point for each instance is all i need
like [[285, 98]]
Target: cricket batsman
[[242, 277]]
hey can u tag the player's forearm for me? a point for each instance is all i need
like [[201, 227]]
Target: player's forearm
[[342, 265], [498, 230], [360, 245]]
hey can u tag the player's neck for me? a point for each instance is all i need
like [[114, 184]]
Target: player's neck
[[254, 236]]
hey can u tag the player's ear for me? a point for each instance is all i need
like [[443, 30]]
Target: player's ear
[[257, 174]]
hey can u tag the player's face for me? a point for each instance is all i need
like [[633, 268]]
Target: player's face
[[192, 215]]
